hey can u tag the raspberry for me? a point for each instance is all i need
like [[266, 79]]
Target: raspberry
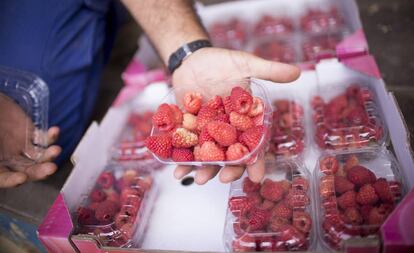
[[364, 211], [240, 226], [343, 185], [163, 119], [250, 186], [276, 223], [128, 193], [282, 210], [348, 199], [317, 102], [160, 145], [286, 185], [228, 106], [205, 115], [112, 195], [189, 121], [204, 136], [378, 215], [258, 120], [182, 155], [271, 190], [236, 152], [367, 195], [106, 180], [251, 138], [300, 183], [383, 190], [197, 153], [241, 100], [302, 221], [209, 151], [293, 238], [297, 199], [257, 219], [216, 103], [97, 196], [329, 204], [282, 105], [223, 118], [352, 216], [192, 102], [183, 138], [255, 198], [106, 210], [267, 205], [360, 175], [265, 243], [239, 204], [257, 107], [240, 122], [177, 113], [223, 133], [329, 165], [86, 216], [327, 187]]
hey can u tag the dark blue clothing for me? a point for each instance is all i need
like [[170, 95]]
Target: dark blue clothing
[[65, 42]]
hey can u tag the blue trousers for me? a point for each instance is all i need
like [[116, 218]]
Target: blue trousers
[[66, 43]]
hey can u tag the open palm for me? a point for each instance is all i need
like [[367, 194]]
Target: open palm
[[205, 71]]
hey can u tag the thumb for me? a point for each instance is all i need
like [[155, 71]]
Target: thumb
[[272, 71]]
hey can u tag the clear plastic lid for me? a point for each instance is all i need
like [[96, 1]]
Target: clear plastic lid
[[315, 47], [24, 101], [231, 33], [117, 209], [322, 18], [287, 135], [274, 215], [239, 139], [355, 193], [347, 116], [275, 49], [272, 25]]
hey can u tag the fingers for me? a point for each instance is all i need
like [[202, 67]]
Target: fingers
[[273, 71], [256, 171], [52, 135], [40, 171], [206, 173], [231, 173], [181, 171], [11, 179], [51, 153]]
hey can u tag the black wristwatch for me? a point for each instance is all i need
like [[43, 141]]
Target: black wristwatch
[[183, 52]]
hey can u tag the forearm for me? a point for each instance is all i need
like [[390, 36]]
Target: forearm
[[168, 23]]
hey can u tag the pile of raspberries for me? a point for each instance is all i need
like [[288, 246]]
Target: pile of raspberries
[[272, 216], [221, 129], [347, 120], [131, 145], [322, 21], [354, 200], [288, 132], [113, 206]]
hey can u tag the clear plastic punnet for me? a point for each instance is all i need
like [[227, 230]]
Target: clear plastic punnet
[[287, 135], [130, 146], [271, 48], [322, 18], [315, 47], [347, 116], [355, 193], [274, 25], [273, 215], [24, 101], [117, 209], [230, 129]]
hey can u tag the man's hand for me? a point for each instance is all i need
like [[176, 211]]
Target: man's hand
[[216, 66], [16, 143], [170, 24]]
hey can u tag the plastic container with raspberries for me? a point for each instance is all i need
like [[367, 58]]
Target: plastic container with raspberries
[[347, 117], [273, 215], [212, 130], [355, 193], [287, 134], [116, 211]]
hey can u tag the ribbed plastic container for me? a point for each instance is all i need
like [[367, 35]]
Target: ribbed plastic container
[[256, 90], [273, 215], [24, 101], [117, 209], [355, 193]]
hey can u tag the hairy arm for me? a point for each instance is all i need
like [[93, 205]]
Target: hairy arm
[[168, 23]]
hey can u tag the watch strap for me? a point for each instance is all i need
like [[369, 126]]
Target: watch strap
[[184, 51]]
